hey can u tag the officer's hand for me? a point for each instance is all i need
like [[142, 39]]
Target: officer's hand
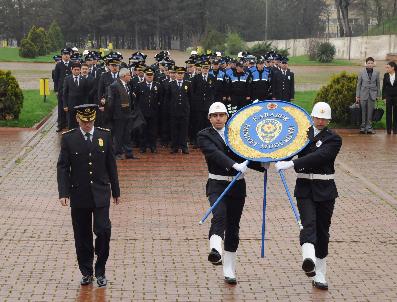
[[241, 167], [247, 98], [64, 201], [116, 200], [224, 98], [103, 101], [229, 98], [66, 109], [357, 99], [256, 101], [283, 165], [265, 165], [101, 108]]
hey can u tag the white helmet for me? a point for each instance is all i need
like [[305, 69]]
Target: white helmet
[[217, 107], [75, 49], [193, 52], [86, 52], [240, 55], [321, 110]]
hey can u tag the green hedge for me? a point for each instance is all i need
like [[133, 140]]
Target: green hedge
[[11, 97]]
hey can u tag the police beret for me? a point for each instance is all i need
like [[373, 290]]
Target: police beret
[[86, 112], [284, 60]]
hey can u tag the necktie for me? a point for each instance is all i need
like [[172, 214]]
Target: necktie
[[150, 86], [127, 89], [88, 138], [205, 78], [180, 84], [76, 81]]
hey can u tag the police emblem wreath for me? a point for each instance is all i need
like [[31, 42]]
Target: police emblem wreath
[[268, 131]]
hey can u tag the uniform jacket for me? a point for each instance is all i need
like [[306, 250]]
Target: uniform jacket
[[202, 93], [118, 93], [149, 101], [60, 72], [318, 157], [220, 160], [87, 172], [180, 98], [104, 82], [73, 94], [283, 86], [260, 84], [219, 85], [389, 90], [367, 87]]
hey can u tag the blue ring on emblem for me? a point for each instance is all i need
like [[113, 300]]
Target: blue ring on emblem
[[268, 130]]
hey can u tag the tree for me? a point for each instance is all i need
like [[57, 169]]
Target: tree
[[342, 7], [55, 36], [38, 36]]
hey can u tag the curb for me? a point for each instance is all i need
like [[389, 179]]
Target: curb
[[47, 123]]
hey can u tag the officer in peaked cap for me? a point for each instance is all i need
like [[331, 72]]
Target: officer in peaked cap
[[87, 178], [283, 82], [62, 69], [180, 99]]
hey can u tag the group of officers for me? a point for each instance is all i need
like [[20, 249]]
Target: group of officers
[[143, 104], [133, 100]]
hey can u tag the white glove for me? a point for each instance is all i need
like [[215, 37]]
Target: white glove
[[256, 101], [241, 167], [283, 165], [265, 165]]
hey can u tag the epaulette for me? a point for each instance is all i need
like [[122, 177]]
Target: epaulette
[[69, 131], [104, 129]]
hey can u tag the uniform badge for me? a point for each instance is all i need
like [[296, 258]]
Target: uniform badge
[[100, 142], [186, 88], [209, 82], [155, 88], [289, 78], [319, 143]]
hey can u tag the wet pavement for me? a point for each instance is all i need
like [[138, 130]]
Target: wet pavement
[[158, 250]]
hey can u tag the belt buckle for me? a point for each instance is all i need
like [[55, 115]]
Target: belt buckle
[[311, 176]]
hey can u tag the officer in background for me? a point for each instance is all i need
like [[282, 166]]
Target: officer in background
[[260, 81], [87, 177], [223, 165], [165, 106], [202, 98], [148, 96], [75, 92], [283, 83], [239, 92], [316, 191], [62, 69], [120, 111], [113, 61], [220, 82], [180, 93]]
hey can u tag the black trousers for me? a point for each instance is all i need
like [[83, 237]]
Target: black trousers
[[149, 132], [62, 122], [179, 131], [122, 136], [225, 221], [83, 238], [316, 220], [391, 114]]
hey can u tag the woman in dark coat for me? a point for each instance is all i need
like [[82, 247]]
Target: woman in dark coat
[[389, 93]]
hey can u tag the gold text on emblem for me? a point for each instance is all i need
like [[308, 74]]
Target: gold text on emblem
[[100, 142]]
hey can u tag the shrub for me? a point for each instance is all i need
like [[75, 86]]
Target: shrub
[[11, 96], [340, 93], [38, 36], [260, 49], [282, 51], [27, 49], [214, 40], [234, 43], [312, 49], [326, 52]]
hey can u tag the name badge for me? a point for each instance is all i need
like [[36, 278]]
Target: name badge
[[319, 143], [100, 142]]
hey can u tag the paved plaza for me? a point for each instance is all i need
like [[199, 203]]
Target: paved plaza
[[158, 250]]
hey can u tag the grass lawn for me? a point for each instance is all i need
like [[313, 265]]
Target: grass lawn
[[305, 100], [12, 55], [33, 110], [304, 60]]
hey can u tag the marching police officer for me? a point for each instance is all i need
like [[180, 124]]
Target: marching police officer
[[316, 191], [223, 165], [260, 81], [239, 93], [87, 177]]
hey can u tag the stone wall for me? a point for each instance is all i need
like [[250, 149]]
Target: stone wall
[[357, 48]]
